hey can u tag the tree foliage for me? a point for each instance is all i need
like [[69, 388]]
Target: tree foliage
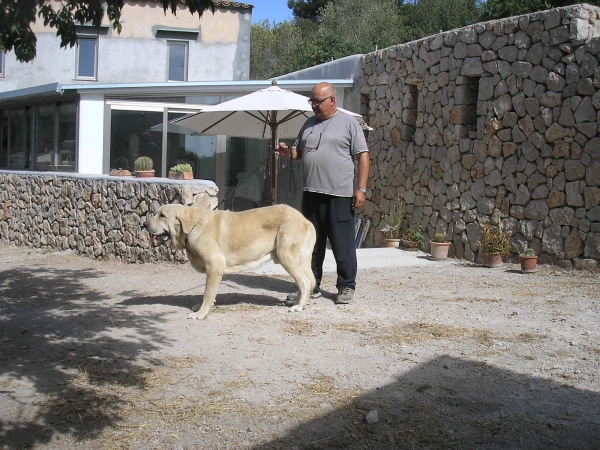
[[307, 9], [269, 44], [16, 17], [344, 27], [366, 24], [428, 17], [497, 9]]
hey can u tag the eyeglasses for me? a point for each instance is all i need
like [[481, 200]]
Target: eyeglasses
[[317, 102], [313, 149]]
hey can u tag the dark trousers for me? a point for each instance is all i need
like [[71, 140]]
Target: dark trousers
[[333, 218]]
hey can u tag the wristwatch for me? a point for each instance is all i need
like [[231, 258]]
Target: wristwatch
[[363, 190]]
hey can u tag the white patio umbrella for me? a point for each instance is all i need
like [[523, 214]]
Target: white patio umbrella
[[270, 113]]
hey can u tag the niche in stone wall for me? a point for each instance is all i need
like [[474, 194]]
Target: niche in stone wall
[[409, 112], [464, 111]]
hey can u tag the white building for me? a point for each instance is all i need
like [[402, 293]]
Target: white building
[[99, 105]]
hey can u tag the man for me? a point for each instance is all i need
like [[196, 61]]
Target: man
[[327, 145]]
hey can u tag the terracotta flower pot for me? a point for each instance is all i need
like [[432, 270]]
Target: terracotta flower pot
[[410, 245], [529, 264], [439, 250], [395, 243], [120, 173], [144, 173], [493, 261], [181, 175]]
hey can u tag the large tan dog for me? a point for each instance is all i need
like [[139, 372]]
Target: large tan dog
[[219, 242]]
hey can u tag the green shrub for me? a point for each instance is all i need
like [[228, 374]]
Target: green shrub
[[394, 223], [415, 235], [144, 163], [180, 168], [494, 241]]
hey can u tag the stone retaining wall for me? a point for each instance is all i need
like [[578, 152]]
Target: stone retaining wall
[[97, 216], [496, 122]]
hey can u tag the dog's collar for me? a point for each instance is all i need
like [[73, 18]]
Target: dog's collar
[[188, 235]]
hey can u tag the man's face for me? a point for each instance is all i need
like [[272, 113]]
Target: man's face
[[323, 102]]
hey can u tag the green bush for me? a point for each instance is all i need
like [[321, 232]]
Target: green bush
[[394, 223], [180, 168], [494, 241], [415, 235]]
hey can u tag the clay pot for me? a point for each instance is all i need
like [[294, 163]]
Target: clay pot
[[410, 245], [120, 173], [529, 264], [439, 250], [395, 243], [493, 261], [181, 175], [144, 173]]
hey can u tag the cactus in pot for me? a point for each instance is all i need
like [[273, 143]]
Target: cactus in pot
[[144, 167]]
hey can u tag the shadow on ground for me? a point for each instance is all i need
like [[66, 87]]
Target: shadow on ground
[[451, 403], [60, 340]]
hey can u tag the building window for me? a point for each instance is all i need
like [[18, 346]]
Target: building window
[[177, 54], [87, 58], [2, 64]]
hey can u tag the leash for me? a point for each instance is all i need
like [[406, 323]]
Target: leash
[[232, 193]]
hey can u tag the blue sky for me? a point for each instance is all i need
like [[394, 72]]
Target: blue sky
[[274, 10]]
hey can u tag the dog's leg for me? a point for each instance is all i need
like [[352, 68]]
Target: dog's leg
[[306, 284], [210, 293]]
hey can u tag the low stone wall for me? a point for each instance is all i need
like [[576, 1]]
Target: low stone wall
[[100, 216], [493, 123]]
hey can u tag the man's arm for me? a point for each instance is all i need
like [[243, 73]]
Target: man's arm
[[364, 165]]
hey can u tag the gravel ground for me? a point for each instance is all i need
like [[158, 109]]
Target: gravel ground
[[449, 355]]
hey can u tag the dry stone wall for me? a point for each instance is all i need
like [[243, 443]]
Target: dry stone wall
[[100, 217], [493, 123]]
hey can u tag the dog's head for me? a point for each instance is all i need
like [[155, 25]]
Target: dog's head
[[171, 222]]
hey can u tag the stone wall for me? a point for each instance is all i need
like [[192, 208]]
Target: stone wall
[[100, 217], [496, 122]]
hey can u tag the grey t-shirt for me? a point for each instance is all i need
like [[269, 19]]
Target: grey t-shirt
[[326, 148]]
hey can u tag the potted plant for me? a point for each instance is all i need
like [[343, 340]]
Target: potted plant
[[528, 260], [439, 247], [495, 243], [181, 172], [394, 224], [413, 238], [144, 167], [120, 172]]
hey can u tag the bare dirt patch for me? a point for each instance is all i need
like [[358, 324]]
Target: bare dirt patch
[[100, 355]]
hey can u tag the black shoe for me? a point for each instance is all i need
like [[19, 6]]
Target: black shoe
[[291, 299], [345, 296]]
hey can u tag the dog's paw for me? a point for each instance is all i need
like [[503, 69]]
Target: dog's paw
[[295, 308], [197, 316], [196, 308]]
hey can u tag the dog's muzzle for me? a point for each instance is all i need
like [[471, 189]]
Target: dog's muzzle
[[159, 239]]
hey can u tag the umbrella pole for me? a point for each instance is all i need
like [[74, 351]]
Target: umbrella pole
[[273, 124]]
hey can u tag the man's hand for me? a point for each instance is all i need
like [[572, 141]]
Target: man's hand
[[358, 199], [283, 150]]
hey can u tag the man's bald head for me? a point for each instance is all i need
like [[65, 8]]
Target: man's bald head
[[323, 100]]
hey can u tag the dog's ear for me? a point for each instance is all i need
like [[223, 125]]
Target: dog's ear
[[174, 226], [185, 219]]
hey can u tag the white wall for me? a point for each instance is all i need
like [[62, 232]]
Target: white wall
[[91, 134]]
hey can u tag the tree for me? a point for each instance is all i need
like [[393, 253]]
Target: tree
[[268, 45], [307, 9], [497, 9], [16, 17], [429, 17], [366, 23]]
